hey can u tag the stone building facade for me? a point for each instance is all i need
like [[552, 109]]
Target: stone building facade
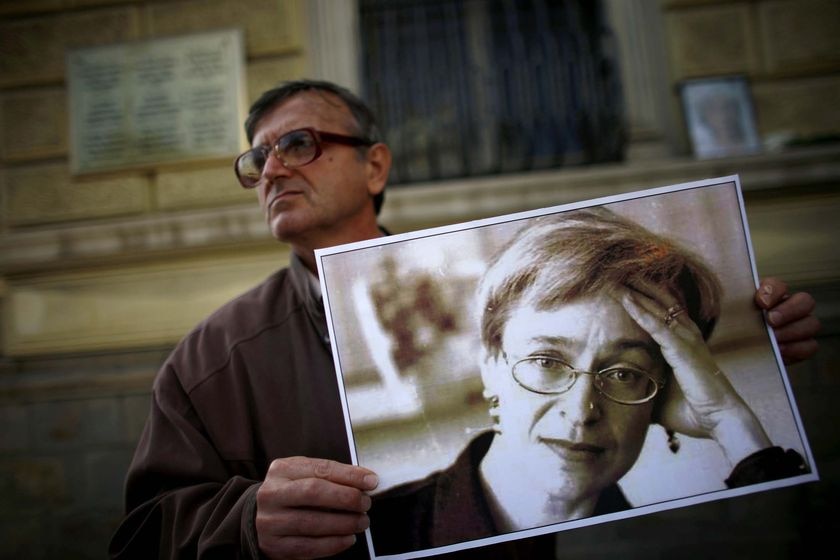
[[101, 275]]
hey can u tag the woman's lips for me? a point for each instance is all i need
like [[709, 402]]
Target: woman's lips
[[573, 451]]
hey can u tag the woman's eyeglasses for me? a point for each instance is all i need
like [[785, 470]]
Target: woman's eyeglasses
[[549, 376], [294, 149]]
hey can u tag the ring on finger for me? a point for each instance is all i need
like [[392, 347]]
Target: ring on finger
[[672, 313]]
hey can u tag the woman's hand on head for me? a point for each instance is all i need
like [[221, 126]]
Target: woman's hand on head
[[699, 399], [792, 318]]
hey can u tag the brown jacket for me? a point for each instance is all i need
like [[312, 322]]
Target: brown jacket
[[253, 382]]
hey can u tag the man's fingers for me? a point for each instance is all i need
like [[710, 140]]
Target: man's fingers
[[295, 468], [306, 547], [797, 306], [311, 493], [314, 523], [798, 331], [797, 351], [311, 508], [770, 292]]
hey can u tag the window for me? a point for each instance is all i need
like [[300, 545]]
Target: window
[[477, 87]]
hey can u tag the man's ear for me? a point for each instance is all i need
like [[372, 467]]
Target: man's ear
[[378, 167]]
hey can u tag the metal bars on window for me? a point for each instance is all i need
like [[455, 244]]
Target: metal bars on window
[[478, 87]]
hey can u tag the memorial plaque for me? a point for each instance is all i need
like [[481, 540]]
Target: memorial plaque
[[160, 101]]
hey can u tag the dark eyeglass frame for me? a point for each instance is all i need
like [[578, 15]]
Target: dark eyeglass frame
[[657, 384], [319, 136]]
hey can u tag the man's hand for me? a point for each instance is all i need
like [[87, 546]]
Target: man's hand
[[791, 317], [311, 508]]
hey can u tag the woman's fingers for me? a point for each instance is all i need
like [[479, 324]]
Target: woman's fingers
[[705, 392], [663, 317], [700, 401]]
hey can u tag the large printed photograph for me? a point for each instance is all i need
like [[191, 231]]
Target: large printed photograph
[[552, 369]]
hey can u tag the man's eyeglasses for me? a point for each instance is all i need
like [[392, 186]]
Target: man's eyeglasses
[[550, 376], [294, 149]]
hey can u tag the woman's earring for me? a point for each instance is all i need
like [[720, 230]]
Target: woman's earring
[[673, 441], [493, 410]]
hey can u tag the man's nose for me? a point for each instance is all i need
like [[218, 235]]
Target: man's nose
[[274, 168], [581, 404]]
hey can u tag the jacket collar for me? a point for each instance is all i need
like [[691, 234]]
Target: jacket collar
[[308, 291]]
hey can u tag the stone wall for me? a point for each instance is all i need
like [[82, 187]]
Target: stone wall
[[101, 275], [789, 50]]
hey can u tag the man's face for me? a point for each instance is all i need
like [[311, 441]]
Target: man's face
[[323, 202], [579, 440]]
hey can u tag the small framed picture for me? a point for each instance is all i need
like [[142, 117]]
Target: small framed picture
[[720, 116]]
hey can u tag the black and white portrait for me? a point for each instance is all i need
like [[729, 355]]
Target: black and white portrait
[[559, 368], [720, 117]]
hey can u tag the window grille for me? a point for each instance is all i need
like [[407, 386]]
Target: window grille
[[477, 87]]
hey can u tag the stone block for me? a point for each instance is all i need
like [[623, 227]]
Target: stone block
[[805, 107], [271, 26], [795, 238], [126, 306], [105, 477], [47, 193], [194, 188], [135, 412], [706, 40], [23, 536], [800, 35], [95, 523], [265, 74], [112, 25], [33, 124], [33, 49], [14, 418], [16, 7], [30, 483], [57, 424], [77, 423], [95, 3]]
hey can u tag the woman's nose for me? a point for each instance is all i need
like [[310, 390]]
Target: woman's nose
[[581, 404]]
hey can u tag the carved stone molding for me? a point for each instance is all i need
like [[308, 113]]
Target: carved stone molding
[[132, 239]]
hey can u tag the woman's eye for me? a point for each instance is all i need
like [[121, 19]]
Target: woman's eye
[[619, 375], [547, 363]]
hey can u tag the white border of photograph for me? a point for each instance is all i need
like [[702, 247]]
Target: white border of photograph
[[706, 216]]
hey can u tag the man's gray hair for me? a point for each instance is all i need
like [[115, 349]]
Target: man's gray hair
[[364, 120]]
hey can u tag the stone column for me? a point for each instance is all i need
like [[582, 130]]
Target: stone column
[[641, 50], [334, 41]]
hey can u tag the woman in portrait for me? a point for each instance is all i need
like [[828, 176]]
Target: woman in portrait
[[592, 329]]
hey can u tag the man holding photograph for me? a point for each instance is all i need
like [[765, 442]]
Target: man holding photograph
[[244, 454]]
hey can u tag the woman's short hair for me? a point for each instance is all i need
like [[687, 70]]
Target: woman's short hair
[[561, 258]]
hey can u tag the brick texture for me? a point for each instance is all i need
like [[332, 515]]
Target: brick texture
[[34, 124], [270, 25], [211, 186], [806, 107], [711, 40], [33, 49], [784, 24], [47, 193]]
